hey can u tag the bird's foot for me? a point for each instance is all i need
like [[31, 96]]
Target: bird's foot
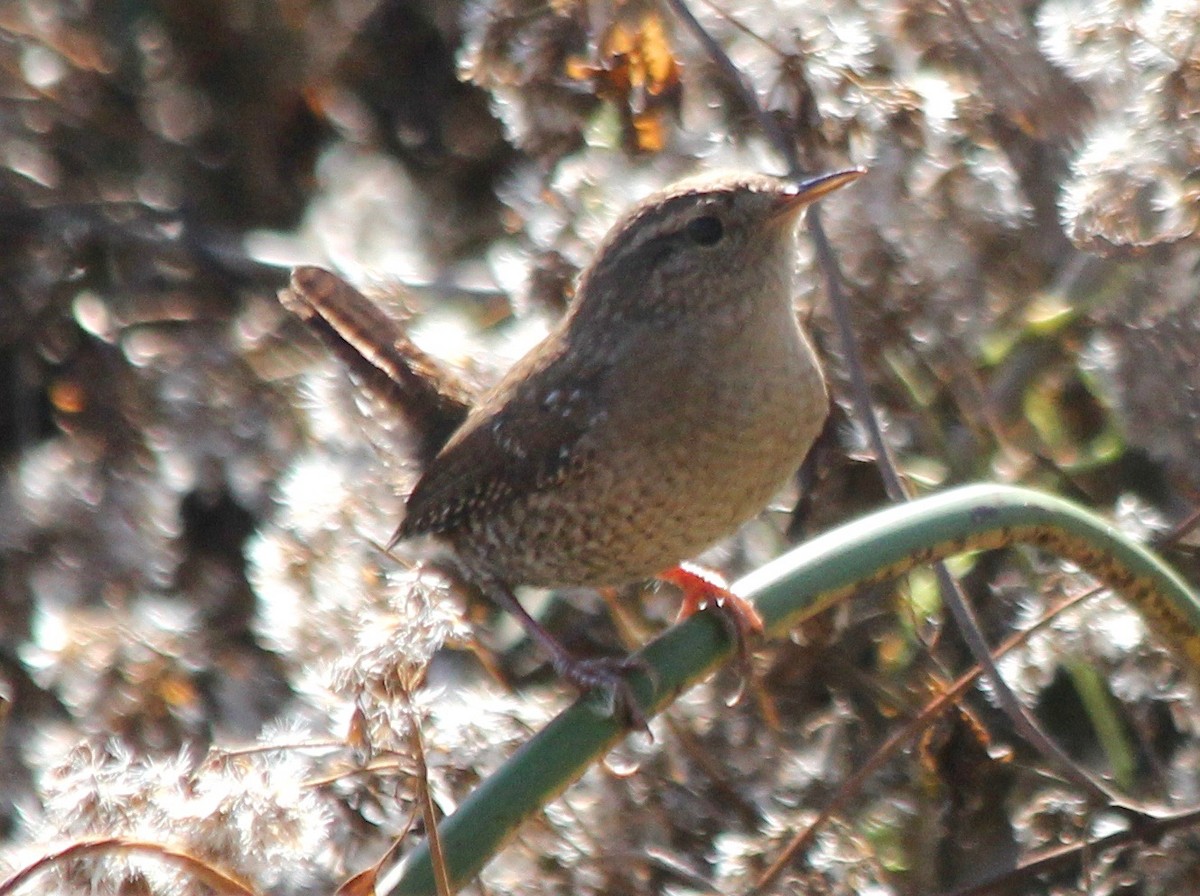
[[608, 676], [704, 589]]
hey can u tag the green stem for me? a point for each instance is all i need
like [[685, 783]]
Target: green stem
[[1100, 707], [803, 582]]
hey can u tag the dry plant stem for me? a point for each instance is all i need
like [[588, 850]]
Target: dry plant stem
[[217, 880], [718, 777], [387, 763], [1022, 719], [894, 743], [1143, 829], [436, 857], [366, 881], [1181, 531], [307, 746], [860, 390], [982, 45], [768, 125], [675, 867], [952, 595]]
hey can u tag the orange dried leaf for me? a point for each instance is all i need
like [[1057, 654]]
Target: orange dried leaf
[[361, 884]]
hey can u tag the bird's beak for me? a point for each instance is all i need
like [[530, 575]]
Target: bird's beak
[[797, 196]]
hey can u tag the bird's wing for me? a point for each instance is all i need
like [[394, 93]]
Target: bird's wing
[[526, 436]]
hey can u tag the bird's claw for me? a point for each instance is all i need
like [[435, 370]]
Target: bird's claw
[[704, 589], [610, 676]]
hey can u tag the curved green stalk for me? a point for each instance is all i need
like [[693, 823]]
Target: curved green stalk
[[800, 583]]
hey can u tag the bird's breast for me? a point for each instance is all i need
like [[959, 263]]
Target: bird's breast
[[693, 444]]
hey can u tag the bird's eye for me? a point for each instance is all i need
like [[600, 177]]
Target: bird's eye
[[706, 230]]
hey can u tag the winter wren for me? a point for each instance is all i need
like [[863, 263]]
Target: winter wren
[[671, 402]]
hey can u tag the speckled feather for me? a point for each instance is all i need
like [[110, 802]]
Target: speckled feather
[[522, 438]]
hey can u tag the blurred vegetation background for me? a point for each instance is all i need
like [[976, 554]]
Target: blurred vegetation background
[[201, 643]]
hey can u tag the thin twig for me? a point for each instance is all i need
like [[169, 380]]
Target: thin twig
[[437, 857], [215, 878], [860, 389], [1144, 829], [769, 126], [1181, 531], [1022, 719]]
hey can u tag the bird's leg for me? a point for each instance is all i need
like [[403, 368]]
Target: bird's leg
[[703, 589], [608, 675]]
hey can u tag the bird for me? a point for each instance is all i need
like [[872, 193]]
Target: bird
[[674, 398]]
